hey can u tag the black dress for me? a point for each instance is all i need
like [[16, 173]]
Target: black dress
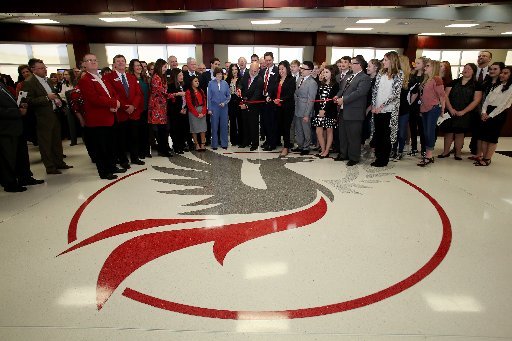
[[330, 119], [460, 97]]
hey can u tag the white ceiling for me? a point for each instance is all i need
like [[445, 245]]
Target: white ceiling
[[492, 20]]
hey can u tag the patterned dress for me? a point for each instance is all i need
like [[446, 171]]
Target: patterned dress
[[329, 120], [157, 113]]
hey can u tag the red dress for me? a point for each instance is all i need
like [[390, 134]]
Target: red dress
[[157, 113]]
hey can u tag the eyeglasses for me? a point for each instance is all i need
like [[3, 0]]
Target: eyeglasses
[[354, 63], [303, 68], [91, 60]]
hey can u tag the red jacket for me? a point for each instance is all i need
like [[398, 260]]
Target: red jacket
[[135, 97], [201, 99], [97, 102]]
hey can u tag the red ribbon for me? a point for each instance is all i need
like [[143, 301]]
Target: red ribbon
[[252, 102], [323, 100]]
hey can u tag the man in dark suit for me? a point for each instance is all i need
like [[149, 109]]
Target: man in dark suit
[[44, 100], [14, 162], [100, 106], [192, 71], [205, 78], [352, 99], [251, 88], [129, 94], [242, 65], [270, 75]]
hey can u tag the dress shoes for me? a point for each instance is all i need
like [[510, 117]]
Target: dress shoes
[[377, 164], [109, 176], [64, 166], [352, 163], [125, 165], [138, 162], [268, 148], [339, 158], [119, 170], [304, 152], [225, 148], [253, 148], [53, 171], [214, 148], [14, 188], [242, 146], [30, 182], [295, 150], [163, 154]]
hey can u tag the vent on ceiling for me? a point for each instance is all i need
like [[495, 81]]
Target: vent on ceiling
[[328, 26]]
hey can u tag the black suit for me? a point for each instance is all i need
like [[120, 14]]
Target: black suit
[[205, 78], [14, 161], [268, 112], [178, 122], [286, 110], [186, 80], [254, 92]]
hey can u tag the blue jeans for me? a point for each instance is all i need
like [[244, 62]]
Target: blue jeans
[[429, 119], [403, 121]]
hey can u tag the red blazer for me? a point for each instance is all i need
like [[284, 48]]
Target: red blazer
[[97, 102], [135, 98], [201, 101]]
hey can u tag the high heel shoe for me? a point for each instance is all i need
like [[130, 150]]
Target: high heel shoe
[[442, 156], [458, 158], [425, 161]]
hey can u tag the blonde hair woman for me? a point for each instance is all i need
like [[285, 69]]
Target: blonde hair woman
[[432, 106], [385, 105]]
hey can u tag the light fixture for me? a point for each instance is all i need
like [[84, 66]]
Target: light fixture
[[121, 19], [507, 32], [461, 25], [359, 29], [431, 34], [40, 21], [372, 21], [265, 22], [180, 26]]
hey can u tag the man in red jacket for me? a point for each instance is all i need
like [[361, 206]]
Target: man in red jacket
[[129, 94], [100, 107]]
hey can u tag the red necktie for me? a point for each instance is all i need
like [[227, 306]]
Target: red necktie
[[266, 81]]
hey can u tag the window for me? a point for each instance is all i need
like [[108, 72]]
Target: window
[[280, 53], [150, 53], [55, 56], [508, 60], [456, 58]]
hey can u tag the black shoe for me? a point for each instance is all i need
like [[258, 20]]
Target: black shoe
[[339, 158], [64, 166], [53, 171], [304, 152], [109, 177], [119, 170], [138, 162], [165, 154], [225, 148], [352, 163], [458, 158], [214, 148], [187, 149], [242, 146], [377, 164], [295, 150], [179, 152], [125, 165], [14, 188], [253, 148], [30, 181], [442, 156]]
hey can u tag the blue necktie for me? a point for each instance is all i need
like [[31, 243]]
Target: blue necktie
[[125, 85]]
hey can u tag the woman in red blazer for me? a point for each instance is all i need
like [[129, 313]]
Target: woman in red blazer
[[197, 109]]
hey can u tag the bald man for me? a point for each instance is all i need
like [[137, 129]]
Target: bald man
[[251, 87]]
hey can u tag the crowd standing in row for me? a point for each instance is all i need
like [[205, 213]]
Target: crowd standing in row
[[124, 112]]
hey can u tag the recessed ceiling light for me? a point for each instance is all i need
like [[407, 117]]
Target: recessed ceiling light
[[507, 32], [359, 29], [372, 21], [462, 25], [123, 19], [265, 22], [40, 21], [181, 26], [430, 34]]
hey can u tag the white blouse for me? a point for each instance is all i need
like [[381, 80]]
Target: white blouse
[[385, 91], [501, 100]]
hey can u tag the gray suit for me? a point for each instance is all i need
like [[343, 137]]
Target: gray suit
[[304, 107], [352, 115], [342, 81]]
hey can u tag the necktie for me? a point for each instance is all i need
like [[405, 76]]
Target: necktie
[[266, 81], [301, 81], [125, 84], [250, 81], [481, 76], [349, 79]]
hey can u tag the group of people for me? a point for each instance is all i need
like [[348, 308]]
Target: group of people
[[125, 111]]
